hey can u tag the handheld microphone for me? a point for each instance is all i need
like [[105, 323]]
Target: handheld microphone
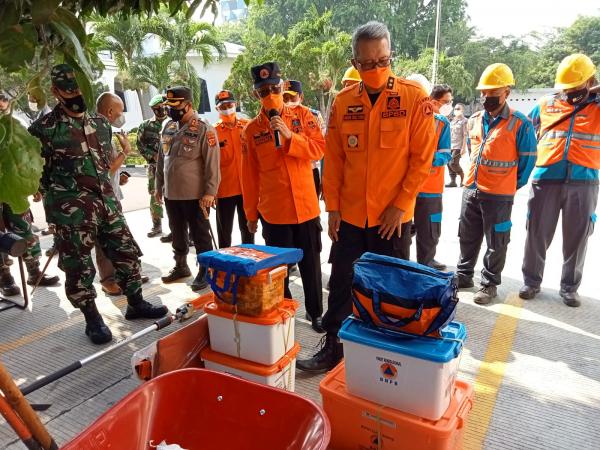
[[273, 113]]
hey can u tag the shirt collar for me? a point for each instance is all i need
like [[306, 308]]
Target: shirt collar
[[505, 113]]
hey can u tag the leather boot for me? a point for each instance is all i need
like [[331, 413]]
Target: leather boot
[[331, 353], [156, 228], [167, 238], [452, 181], [33, 269], [95, 328], [181, 270], [200, 282], [8, 286], [138, 308]]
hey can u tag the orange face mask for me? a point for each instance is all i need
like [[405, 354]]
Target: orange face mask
[[375, 78], [272, 101]]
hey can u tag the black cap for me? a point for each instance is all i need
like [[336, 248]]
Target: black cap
[[267, 73], [293, 87], [223, 97], [177, 94]]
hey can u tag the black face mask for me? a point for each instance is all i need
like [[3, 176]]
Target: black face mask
[[177, 114], [491, 103], [74, 104], [160, 113], [578, 96]]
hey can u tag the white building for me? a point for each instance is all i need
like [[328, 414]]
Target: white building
[[524, 101]]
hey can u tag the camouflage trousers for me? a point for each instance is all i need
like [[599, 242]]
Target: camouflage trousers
[[20, 224], [105, 226], [156, 209]]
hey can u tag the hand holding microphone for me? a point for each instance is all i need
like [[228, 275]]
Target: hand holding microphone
[[279, 127]]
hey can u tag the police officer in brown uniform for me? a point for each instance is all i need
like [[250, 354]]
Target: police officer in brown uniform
[[188, 175]]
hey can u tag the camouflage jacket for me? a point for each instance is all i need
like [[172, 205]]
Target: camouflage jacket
[[148, 139], [77, 156]]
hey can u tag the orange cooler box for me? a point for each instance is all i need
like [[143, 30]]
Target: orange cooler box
[[358, 424], [282, 374]]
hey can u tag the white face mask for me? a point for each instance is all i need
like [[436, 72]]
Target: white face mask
[[228, 111], [446, 110], [293, 104], [33, 106], [119, 121]]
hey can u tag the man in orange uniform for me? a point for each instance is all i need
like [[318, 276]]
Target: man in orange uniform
[[277, 180], [565, 177], [229, 197], [428, 208], [380, 143], [502, 146]]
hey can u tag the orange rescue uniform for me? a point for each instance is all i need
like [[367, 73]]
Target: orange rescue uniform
[[378, 155], [230, 144], [278, 183]]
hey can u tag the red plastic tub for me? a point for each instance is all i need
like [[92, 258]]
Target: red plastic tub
[[203, 410]]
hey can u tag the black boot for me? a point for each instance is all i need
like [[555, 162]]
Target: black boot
[[156, 228], [327, 358], [8, 286], [138, 308], [167, 238], [33, 269], [200, 282], [95, 328], [452, 181], [181, 270]]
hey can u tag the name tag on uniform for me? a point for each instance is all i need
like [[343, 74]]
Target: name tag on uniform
[[262, 138]]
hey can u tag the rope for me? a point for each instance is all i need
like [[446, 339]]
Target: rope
[[380, 409], [236, 330], [287, 315]]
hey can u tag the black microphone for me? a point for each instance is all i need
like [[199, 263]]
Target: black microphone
[[273, 113]]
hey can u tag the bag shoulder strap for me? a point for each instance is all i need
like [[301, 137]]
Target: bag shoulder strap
[[564, 118]]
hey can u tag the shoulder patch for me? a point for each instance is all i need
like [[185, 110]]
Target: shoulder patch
[[211, 137], [426, 106]]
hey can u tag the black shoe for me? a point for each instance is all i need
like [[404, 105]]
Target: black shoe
[[528, 292], [167, 238], [145, 279], [327, 358], [156, 228], [485, 295], [8, 289], [317, 325], [437, 265], [464, 282], [452, 184], [95, 328], [138, 308], [177, 273], [293, 268], [199, 282], [570, 298], [46, 280]]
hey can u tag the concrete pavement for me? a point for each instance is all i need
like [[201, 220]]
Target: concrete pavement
[[535, 364]]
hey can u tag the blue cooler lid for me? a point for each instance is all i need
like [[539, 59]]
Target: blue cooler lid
[[432, 349]]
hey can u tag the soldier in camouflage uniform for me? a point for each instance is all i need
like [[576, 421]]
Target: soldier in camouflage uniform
[[79, 200], [20, 224], [148, 144]]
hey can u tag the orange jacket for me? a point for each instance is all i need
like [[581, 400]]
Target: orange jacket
[[379, 155], [502, 152], [230, 143], [278, 183], [576, 139]]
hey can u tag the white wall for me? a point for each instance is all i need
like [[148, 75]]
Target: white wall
[[524, 101]]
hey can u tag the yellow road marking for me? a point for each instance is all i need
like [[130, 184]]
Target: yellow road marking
[[44, 332], [491, 372]]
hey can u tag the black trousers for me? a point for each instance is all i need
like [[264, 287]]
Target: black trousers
[[307, 237], [353, 242], [226, 208], [482, 216], [317, 178], [427, 226], [184, 214]]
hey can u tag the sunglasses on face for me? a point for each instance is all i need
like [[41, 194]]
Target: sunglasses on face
[[269, 89]]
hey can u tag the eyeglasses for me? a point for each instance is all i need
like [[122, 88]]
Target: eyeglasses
[[269, 89], [383, 62]]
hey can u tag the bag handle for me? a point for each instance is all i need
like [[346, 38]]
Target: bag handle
[[212, 279], [397, 323]]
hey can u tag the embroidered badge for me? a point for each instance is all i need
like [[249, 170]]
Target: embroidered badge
[[352, 141], [211, 137]]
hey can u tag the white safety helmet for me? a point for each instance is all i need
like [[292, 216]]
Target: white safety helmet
[[422, 80]]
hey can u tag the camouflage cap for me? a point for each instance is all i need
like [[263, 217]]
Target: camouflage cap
[[158, 99], [63, 77]]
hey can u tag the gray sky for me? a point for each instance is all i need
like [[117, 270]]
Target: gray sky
[[519, 17]]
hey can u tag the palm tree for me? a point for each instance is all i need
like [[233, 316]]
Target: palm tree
[[157, 70], [123, 36], [181, 37]]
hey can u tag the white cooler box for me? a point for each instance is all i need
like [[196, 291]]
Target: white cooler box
[[281, 375], [263, 339], [410, 374]]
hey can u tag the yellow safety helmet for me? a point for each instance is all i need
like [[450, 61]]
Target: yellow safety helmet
[[351, 74], [573, 71], [495, 76]]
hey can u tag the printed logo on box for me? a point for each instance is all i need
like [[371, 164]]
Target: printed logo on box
[[389, 371]]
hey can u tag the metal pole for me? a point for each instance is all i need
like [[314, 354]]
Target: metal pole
[[436, 43]]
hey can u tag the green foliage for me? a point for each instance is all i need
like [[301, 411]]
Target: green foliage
[[20, 164]]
